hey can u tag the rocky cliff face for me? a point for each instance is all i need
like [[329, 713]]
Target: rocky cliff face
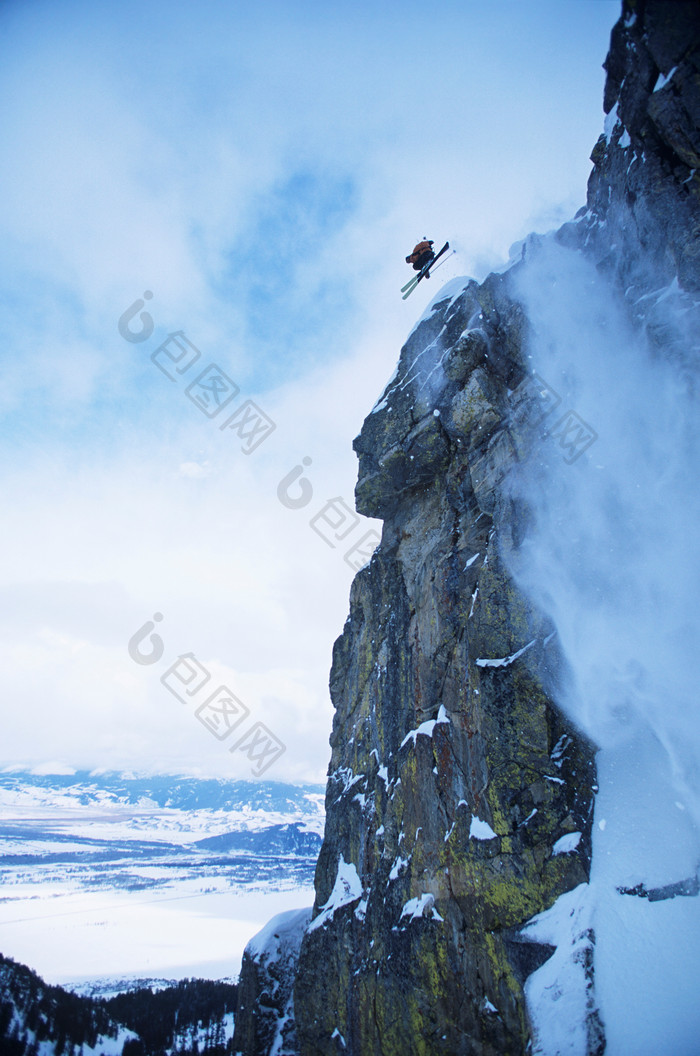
[[643, 191], [459, 800], [453, 778]]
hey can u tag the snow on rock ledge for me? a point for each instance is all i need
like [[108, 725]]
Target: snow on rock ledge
[[264, 1020], [560, 994], [347, 889]]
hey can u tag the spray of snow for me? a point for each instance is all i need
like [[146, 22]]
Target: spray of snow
[[612, 557]]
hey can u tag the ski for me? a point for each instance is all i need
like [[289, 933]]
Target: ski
[[412, 283], [443, 261], [428, 267]]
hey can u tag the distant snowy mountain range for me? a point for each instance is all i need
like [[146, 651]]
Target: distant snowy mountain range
[[113, 827], [246, 804]]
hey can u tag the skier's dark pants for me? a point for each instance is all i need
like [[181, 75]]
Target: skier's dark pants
[[423, 259]]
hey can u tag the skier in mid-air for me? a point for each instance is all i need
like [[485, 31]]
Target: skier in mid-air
[[422, 254], [422, 258]]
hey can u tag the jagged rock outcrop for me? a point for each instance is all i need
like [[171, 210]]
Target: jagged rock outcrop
[[264, 1020], [643, 191], [453, 777], [459, 799]]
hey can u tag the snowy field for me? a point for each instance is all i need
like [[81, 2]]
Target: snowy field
[[72, 937]]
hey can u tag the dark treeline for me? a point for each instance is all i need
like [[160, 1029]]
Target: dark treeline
[[182, 1016], [183, 1020], [31, 1011]]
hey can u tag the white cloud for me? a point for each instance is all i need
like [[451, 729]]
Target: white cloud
[[195, 470]]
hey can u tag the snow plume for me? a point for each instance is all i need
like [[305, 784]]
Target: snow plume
[[611, 555]]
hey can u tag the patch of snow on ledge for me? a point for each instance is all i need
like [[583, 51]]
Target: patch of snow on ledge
[[415, 908], [481, 830], [610, 121], [426, 728], [559, 994], [399, 864], [567, 843], [451, 290], [664, 79], [278, 931], [347, 889], [504, 661]]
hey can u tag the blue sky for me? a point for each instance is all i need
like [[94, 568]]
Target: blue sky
[[263, 171]]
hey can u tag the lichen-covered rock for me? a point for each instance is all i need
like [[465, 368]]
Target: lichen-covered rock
[[466, 354], [473, 415]]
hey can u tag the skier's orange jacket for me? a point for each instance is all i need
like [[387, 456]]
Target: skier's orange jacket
[[418, 251]]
